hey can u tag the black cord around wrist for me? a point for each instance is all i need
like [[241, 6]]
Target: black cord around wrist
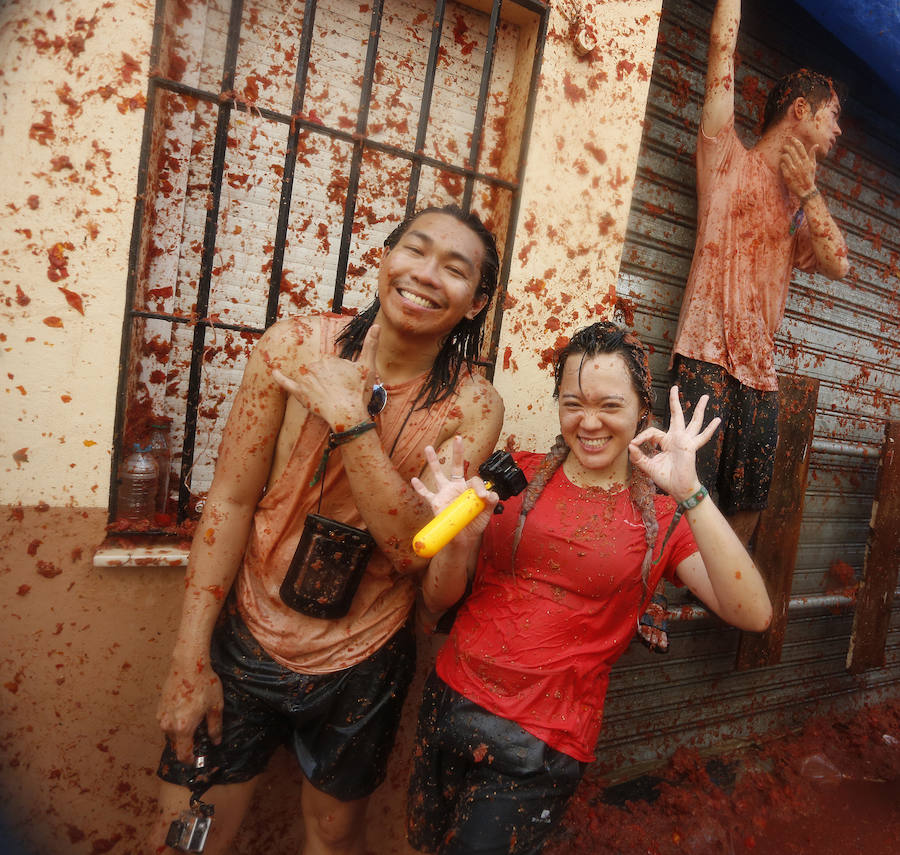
[[336, 438]]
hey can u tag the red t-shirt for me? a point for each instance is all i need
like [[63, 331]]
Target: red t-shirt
[[536, 645]]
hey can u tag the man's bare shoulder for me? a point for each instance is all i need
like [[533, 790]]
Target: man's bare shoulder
[[291, 341], [478, 399]]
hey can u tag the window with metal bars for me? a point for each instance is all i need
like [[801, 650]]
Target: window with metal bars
[[283, 141]]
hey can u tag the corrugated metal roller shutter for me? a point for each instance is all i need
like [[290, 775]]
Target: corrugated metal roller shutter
[[843, 333]]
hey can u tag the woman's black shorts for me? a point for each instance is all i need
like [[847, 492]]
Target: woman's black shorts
[[481, 784]]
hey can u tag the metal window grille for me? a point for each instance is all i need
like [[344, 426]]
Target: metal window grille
[[250, 159]]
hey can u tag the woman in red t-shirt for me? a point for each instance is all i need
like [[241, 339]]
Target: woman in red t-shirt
[[512, 711]]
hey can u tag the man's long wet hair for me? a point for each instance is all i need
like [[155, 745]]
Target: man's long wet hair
[[599, 338], [462, 345], [816, 88]]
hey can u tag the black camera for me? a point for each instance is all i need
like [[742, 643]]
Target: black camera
[[188, 833], [506, 478]]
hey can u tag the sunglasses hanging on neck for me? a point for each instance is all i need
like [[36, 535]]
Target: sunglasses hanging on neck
[[378, 401]]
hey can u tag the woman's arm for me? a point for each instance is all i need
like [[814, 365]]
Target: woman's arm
[[445, 579], [722, 574]]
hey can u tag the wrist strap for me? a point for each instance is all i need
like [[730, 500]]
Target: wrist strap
[[811, 195], [336, 439], [693, 501], [689, 503]]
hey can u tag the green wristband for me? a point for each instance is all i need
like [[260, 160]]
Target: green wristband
[[692, 501], [689, 503]]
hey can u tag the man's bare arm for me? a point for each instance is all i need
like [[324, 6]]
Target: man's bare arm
[[718, 101], [337, 391], [192, 690], [392, 509], [827, 240], [798, 166]]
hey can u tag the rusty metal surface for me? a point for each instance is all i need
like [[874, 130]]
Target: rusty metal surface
[[778, 534], [873, 607], [841, 334]]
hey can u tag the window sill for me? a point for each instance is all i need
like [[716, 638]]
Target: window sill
[[142, 552]]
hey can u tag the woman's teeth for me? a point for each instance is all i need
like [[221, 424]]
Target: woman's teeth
[[593, 444]]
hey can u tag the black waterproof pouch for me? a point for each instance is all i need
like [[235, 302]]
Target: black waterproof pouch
[[326, 568]]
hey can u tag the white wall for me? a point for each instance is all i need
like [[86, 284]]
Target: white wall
[[71, 112], [86, 66]]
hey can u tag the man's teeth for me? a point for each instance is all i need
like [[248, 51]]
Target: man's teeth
[[424, 302]]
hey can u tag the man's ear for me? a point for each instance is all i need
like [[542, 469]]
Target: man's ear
[[800, 108], [479, 301]]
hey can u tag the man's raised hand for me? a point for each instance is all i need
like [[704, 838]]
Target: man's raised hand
[[337, 390]]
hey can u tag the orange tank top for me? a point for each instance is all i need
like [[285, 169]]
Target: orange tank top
[[383, 601]]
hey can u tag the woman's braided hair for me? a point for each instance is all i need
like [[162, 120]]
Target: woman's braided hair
[[602, 337]]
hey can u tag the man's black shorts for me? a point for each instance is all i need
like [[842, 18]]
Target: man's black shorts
[[736, 465], [481, 784], [341, 725]]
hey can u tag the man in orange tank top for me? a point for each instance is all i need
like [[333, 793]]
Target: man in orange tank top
[[331, 419], [760, 214]]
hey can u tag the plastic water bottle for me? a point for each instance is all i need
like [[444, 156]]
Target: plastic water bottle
[[137, 494], [159, 448]]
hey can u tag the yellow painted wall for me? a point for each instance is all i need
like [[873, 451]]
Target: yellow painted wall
[[71, 110], [73, 77], [581, 167]]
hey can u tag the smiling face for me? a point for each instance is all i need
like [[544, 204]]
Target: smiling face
[[429, 280], [599, 414]]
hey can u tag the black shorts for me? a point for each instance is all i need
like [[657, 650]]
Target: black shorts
[[481, 785], [341, 725], [736, 465]]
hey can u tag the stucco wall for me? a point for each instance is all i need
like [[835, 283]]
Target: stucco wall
[[71, 109], [85, 651], [577, 193], [72, 86]]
